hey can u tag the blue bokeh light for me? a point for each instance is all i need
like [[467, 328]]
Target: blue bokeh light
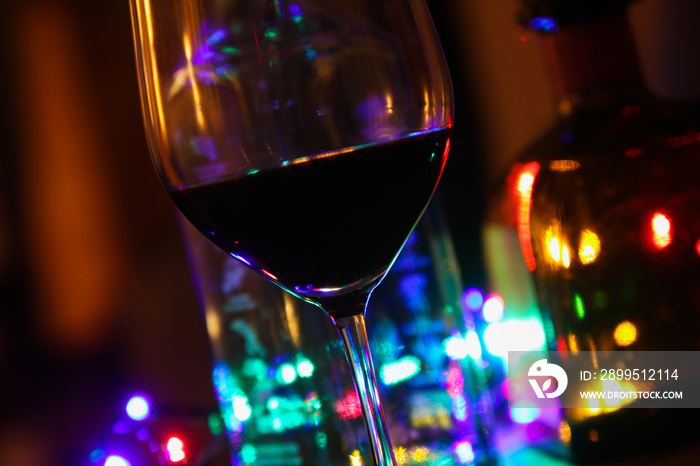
[[473, 298], [116, 460], [138, 407], [544, 23]]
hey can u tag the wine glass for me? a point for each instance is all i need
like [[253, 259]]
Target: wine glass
[[303, 137]]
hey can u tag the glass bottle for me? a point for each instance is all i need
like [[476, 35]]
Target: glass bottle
[[428, 352], [607, 208]]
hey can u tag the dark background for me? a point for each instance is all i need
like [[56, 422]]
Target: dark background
[[95, 297]]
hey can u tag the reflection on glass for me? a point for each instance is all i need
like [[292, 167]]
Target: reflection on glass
[[589, 247], [526, 178]]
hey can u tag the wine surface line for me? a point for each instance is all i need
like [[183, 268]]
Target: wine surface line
[[325, 227]]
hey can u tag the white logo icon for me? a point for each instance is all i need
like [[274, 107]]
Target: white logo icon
[[543, 369]]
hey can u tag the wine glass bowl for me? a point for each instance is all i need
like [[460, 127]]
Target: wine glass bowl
[[264, 85], [304, 138]]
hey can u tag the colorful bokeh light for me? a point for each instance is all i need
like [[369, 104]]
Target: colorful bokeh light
[[544, 23], [273, 403], [175, 450], [355, 458], [400, 370], [241, 408], [473, 299], [287, 373], [565, 257], [473, 345], [579, 307], [661, 230], [625, 333], [524, 412], [138, 407], [249, 454], [514, 335], [456, 347], [552, 242], [349, 407], [305, 368], [565, 432], [494, 308], [465, 452], [589, 247], [116, 460], [523, 192]]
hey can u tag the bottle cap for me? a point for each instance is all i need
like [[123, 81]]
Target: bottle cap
[[550, 15]]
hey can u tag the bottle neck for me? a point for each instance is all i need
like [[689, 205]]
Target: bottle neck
[[593, 65]]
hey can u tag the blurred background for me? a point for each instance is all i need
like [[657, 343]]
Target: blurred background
[[95, 294]]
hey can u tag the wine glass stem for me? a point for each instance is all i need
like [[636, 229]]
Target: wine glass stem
[[354, 335]]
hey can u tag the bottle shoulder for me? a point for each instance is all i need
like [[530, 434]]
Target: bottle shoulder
[[621, 132]]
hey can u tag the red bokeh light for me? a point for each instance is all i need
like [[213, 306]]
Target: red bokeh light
[[175, 450], [661, 229]]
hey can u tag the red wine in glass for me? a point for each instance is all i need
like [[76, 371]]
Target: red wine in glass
[[327, 223]]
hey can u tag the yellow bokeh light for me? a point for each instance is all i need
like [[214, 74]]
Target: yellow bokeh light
[[593, 435], [661, 224], [401, 455], [565, 432], [661, 230], [525, 183], [625, 333], [523, 193], [355, 458], [553, 247], [389, 103], [589, 247], [565, 259], [563, 165], [420, 454], [573, 343], [213, 323]]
